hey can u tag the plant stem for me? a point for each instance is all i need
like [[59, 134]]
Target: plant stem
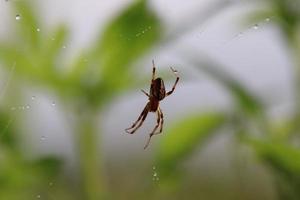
[[90, 158]]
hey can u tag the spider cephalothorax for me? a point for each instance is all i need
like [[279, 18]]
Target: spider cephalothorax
[[157, 93]]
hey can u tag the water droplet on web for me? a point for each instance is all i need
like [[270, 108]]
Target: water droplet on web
[[18, 17], [43, 137], [28, 106], [53, 39], [64, 47], [53, 103], [38, 30], [155, 174], [255, 27], [38, 196], [267, 19], [33, 98]]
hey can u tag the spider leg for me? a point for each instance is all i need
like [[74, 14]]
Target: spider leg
[[162, 121], [159, 114], [145, 93], [177, 79], [153, 70], [142, 116]]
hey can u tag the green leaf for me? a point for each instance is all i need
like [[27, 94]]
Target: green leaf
[[126, 38], [285, 162], [184, 137], [50, 166], [7, 134], [283, 157], [246, 101], [27, 24]]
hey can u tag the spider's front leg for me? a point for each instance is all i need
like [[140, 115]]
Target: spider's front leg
[[177, 79], [145, 93], [141, 118], [153, 70]]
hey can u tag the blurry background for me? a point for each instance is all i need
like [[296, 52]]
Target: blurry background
[[70, 80]]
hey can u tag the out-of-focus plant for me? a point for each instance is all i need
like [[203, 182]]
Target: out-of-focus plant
[[85, 86], [275, 143], [104, 71], [281, 150]]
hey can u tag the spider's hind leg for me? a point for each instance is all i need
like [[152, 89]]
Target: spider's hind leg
[[160, 122], [141, 118]]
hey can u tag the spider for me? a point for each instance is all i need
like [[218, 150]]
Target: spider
[[157, 93]]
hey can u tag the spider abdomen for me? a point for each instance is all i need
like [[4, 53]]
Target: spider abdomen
[[153, 104], [157, 89]]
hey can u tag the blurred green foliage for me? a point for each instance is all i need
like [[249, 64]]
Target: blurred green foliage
[[104, 71]]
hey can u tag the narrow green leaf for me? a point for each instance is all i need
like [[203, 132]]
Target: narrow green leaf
[[54, 43], [129, 36], [27, 24], [7, 134], [283, 157], [184, 137], [247, 102]]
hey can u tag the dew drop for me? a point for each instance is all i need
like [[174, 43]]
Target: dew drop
[[267, 19], [38, 196], [53, 103], [38, 30], [28, 106], [64, 47], [18, 17], [155, 174], [33, 98], [255, 27]]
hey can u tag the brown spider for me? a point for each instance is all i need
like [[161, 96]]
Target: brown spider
[[157, 93]]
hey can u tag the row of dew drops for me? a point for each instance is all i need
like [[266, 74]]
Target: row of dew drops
[[23, 107], [253, 27]]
